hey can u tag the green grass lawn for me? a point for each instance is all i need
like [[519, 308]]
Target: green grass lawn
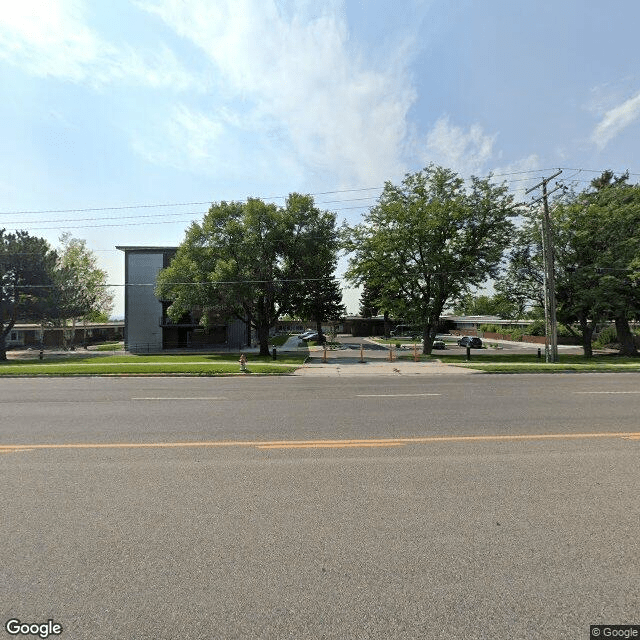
[[110, 346], [529, 363], [194, 364]]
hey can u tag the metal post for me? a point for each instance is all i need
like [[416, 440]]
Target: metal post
[[551, 286], [551, 326]]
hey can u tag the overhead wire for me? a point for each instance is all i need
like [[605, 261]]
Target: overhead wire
[[208, 202], [153, 218]]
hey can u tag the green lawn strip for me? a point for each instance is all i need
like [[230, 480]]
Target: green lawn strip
[[552, 368], [110, 346], [98, 368], [283, 358], [278, 341], [193, 364], [479, 357]]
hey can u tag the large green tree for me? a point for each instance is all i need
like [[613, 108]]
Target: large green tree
[[252, 260], [428, 240], [82, 286], [596, 240], [311, 258], [27, 286], [484, 305]]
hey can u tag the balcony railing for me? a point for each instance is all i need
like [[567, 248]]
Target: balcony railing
[[165, 321]]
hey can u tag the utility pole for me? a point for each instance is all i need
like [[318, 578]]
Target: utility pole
[[550, 321]]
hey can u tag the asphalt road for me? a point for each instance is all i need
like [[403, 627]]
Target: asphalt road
[[474, 507]]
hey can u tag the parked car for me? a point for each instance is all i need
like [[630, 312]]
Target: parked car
[[439, 344], [405, 330], [470, 341], [309, 335]]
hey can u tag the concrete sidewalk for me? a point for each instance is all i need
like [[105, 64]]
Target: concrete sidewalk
[[352, 367]]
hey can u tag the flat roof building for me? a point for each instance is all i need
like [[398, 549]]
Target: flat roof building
[[148, 328]]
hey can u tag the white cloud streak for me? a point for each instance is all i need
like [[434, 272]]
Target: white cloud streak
[[52, 39], [615, 120], [466, 152], [299, 78]]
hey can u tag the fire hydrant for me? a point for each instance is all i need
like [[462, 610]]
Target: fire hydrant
[[243, 362]]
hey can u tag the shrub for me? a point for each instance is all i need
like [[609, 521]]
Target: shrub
[[607, 336], [536, 328]]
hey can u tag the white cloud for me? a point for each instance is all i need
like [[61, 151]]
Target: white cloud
[[521, 174], [615, 120], [466, 152], [52, 39], [298, 76], [189, 139]]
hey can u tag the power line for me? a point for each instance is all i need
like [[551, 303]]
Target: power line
[[133, 224], [30, 223], [156, 215], [209, 202], [173, 204]]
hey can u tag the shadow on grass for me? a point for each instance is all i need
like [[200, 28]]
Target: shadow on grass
[[491, 357], [227, 358]]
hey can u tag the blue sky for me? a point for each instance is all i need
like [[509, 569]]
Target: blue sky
[[160, 102]]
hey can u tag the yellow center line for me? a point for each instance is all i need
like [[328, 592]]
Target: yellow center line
[[330, 445], [632, 435]]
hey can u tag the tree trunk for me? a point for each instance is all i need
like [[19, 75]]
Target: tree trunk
[[263, 338], [321, 337], [3, 340], [587, 333], [387, 330], [428, 336], [625, 337], [248, 324], [73, 334]]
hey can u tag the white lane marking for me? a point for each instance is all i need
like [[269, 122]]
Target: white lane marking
[[610, 392], [395, 395], [202, 398]]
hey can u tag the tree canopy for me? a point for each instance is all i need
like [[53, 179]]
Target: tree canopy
[[429, 240], [254, 261], [313, 256], [82, 286], [27, 286], [596, 243], [484, 305]]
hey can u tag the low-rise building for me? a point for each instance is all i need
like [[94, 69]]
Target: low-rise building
[[148, 328], [36, 335]]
